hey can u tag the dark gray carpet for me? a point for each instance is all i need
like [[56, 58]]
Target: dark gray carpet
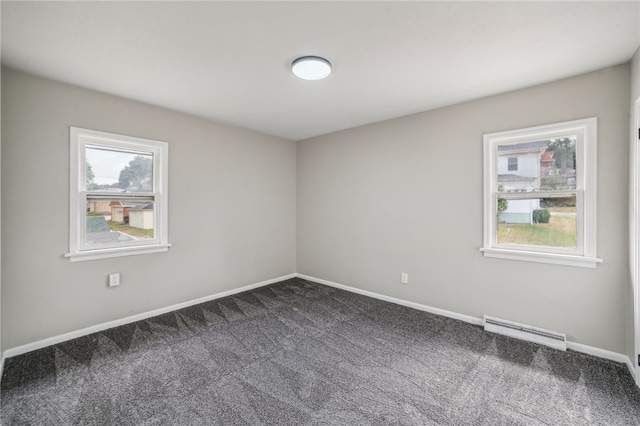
[[299, 353]]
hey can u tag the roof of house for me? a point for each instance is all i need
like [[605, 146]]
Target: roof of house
[[547, 157], [524, 146], [147, 206], [133, 205], [97, 224]]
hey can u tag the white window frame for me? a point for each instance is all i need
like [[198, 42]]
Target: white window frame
[[584, 255], [78, 249]]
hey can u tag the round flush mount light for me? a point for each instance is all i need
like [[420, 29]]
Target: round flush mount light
[[311, 68]]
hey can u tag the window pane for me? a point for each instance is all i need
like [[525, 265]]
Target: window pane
[[114, 220], [547, 222], [111, 169], [546, 165]]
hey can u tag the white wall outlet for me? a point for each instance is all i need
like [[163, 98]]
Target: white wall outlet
[[404, 278], [114, 280]]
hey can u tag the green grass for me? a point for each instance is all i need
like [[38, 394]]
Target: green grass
[[559, 232], [126, 229]]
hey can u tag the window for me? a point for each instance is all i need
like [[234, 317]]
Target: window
[[118, 195], [539, 194]]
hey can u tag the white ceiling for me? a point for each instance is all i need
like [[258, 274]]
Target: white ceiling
[[230, 61]]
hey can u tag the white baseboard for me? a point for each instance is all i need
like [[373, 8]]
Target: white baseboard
[[138, 317], [1, 365], [603, 353], [418, 306], [578, 347]]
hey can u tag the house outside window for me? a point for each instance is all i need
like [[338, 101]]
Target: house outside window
[[539, 194], [118, 193]]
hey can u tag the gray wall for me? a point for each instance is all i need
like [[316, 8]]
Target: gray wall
[[398, 196], [633, 333], [405, 195], [1, 347], [232, 211]]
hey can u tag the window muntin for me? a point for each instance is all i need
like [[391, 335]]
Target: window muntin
[[555, 179], [118, 195]]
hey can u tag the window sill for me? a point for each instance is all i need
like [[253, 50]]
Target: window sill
[[532, 256], [116, 252]]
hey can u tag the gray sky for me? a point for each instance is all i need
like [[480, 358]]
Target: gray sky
[[107, 164]]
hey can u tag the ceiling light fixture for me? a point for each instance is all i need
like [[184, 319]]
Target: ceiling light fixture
[[311, 68]]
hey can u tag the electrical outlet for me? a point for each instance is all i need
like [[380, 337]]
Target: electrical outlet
[[404, 278], [114, 280]]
